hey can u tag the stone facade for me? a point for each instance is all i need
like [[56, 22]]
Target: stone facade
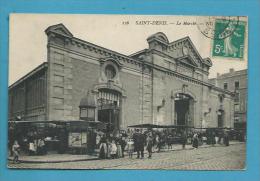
[[149, 86]]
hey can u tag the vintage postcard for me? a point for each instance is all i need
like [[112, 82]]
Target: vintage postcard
[[127, 92]]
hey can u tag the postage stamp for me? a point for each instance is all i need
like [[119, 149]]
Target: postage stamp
[[230, 42]]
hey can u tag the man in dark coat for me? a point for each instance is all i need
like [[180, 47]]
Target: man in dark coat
[[149, 145], [226, 138], [139, 142], [183, 139]]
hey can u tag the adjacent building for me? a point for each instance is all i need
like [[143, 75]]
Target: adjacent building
[[165, 84], [236, 82]]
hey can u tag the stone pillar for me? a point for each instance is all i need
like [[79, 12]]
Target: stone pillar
[[191, 112], [95, 94], [173, 122], [122, 121]]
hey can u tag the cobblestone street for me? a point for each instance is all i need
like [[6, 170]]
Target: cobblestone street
[[209, 158]]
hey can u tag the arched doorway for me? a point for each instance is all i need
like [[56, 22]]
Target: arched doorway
[[109, 108], [184, 109]]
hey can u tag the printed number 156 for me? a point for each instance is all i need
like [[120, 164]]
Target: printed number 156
[[125, 22]]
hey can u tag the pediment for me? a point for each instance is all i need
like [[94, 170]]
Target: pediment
[[60, 29], [187, 49], [188, 60]]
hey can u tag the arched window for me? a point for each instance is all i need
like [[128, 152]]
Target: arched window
[[110, 71]]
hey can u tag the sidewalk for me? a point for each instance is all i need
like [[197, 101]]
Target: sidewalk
[[57, 158]]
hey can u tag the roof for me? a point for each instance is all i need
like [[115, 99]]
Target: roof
[[60, 29], [175, 126], [232, 74], [160, 37], [158, 126], [30, 74]]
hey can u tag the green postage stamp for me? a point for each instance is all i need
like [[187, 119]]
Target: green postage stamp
[[229, 38]]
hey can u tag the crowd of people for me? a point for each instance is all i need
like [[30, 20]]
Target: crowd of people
[[112, 146], [153, 141], [35, 147]]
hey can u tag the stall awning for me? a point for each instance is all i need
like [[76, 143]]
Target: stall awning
[[57, 121], [149, 126], [143, 126], [158, 126], [70, 123]]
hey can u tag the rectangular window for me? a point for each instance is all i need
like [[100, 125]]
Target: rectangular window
[[83, 113], [237, 107], [225, 86], [91, 113], [236, 85], [236, 97], [236, 119]]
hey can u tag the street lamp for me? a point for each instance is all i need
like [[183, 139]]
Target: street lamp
[[87, 107]]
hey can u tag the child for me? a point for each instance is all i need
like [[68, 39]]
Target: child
[[15, 150], [113, 149], [130, 147]]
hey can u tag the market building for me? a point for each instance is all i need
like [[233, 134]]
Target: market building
[[236, 82], [165, 84]]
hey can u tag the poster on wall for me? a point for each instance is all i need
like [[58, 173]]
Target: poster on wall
[[77, 139]]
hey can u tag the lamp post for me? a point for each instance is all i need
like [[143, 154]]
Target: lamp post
[[87, 108]]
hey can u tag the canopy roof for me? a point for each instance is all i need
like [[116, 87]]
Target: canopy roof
[[158, 126], [171, 126], [57, 121]]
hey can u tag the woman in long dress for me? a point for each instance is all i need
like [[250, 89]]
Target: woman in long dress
[[195, 142], [130, 147], [119, 147], [113, 150], [103, 147]]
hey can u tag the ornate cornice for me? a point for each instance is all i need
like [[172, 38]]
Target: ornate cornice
[[120, 57]]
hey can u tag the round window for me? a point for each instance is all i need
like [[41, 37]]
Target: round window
[[110, 71]]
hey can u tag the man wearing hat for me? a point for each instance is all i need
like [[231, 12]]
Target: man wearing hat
[[139, 141]]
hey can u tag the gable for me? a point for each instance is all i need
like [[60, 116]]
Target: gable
[[187, 60], [60, 29], [185, 47], [192, 51]]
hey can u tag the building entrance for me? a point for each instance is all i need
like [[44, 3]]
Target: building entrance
[[109, 108], [109, 114], [184, 109]]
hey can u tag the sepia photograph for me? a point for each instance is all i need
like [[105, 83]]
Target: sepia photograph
[[147, 92]]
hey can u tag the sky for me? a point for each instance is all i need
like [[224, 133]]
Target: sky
[[120, 33]]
